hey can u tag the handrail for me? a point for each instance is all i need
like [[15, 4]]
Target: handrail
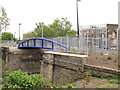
[[42, 44]]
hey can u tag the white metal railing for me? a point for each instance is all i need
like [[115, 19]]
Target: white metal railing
[[77, 44], [9, 43]]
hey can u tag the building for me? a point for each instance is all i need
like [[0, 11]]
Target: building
[[99, 31], [102, 35]]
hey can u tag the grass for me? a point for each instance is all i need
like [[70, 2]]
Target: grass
[[109, 82], [109, 58], [99, 83], [108, 78], [85, 80], [114, 82]]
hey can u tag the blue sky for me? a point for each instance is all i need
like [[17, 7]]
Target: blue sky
[[29, 12]]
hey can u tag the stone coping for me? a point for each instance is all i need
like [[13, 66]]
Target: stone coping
[[66, 54], [15, 49], [100, 67]]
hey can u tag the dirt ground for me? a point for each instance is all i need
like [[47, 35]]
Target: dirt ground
[[103, 60], [94, 83], [108, 60], [100, 58]]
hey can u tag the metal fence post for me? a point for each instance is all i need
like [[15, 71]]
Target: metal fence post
[[117, 39], [92, 43], [79, 44], [67, 42], [106, 39], [87, 44]]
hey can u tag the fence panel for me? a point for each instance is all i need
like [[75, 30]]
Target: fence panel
[[74, 43], [9, 43]]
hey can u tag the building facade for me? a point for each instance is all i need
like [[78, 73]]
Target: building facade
[[102, 35]]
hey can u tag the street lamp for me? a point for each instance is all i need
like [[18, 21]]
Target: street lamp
[[77, 17], [19, 31]]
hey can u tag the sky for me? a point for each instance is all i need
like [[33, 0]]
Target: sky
[[30, 12]]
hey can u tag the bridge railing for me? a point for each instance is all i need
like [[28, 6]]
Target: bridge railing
[[80, 44], [42, 43], [10, 43], [73, 43]]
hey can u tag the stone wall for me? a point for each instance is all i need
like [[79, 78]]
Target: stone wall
[[58, 67], [47, 66], [102, 71], [61, 68], [26, 60]]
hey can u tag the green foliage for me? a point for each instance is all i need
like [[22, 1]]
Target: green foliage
[[58, 28], [28, 35], [99, 83], [69, 86], [7, 36], [109, 58], [118, 65], [4, 20], [87, 74], [108, 78], [95, 74], [71, 33], [60, 86], [19, 79], [114, 82]]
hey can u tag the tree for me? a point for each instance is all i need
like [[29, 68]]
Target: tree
[[28, 35], [4, 20], [58, 28], [7, 36], [71, 33], [47, 31], [63, 27]]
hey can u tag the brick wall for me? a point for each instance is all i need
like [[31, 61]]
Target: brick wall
[[58, 67], [26, 60]]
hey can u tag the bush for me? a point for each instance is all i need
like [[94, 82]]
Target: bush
[[109, 58], [19, 79]]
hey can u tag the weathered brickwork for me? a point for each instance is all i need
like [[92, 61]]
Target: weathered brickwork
[[26, 60], [103, 71], [46, 68], [58, 67]]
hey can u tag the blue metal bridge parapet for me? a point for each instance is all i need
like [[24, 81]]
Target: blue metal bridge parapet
[[42, 43]]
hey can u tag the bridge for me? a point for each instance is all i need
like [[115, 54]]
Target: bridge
[[41, 43]]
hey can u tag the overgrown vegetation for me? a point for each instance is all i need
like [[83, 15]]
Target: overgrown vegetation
[[113, 80], [19, 79], [109, 58]]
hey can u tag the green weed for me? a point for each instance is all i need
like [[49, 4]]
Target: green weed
[[99, 83], [19, 79], [109, 58]]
